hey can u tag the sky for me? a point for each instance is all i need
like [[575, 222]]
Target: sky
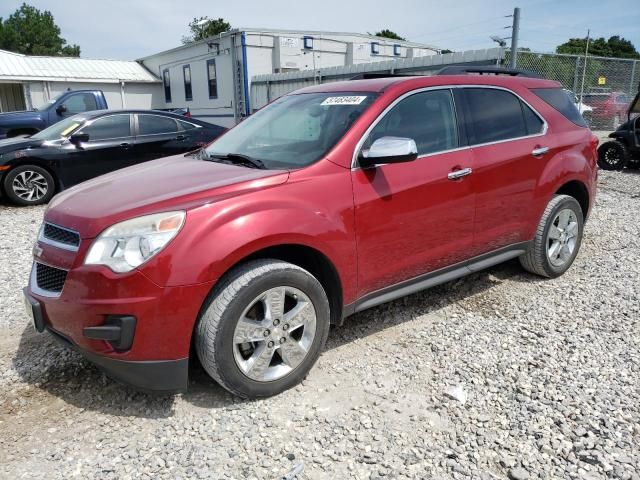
[[127, 30]]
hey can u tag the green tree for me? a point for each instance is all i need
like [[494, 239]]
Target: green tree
[[616, 46], [386, 33], [205, 27], [33, 32]]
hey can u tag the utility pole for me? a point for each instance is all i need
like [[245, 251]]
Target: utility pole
[[584, 67], [515, 31]]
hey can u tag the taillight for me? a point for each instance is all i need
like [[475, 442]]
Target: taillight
[[593, 142]]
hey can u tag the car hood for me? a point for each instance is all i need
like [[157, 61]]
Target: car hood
[[18, 143], [172, 183], [9, 118]]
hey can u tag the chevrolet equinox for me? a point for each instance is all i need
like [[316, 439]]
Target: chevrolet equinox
[[328, 201]]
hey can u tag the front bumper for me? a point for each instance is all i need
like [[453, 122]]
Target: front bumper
[[156, 357], [152, 375]]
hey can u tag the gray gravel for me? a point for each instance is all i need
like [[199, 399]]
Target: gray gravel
[[498, 375]]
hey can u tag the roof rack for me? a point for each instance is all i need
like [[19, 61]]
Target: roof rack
[[465, 70], [369, 76]]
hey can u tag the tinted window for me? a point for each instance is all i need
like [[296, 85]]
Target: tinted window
[[166, 80], [495, 115], [426, 117], [212, 79], [532, 120], [80, 102], [154, 124], [113, 126], [186, 71], [186, 125], [561, 102]]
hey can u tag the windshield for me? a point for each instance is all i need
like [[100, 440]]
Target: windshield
[[61, 129], [48, 103], [295, 130]]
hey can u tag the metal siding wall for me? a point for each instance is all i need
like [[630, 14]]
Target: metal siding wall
[[272, 86]]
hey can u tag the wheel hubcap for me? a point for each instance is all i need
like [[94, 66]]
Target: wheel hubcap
[[274, 334], [30, 186], [562, 237]]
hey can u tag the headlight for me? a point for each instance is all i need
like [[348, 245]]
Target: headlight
[[127, 245]]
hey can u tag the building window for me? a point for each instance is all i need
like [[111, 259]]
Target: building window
[[186, 72], [212, 79], [167, 85], [375, 48], [308, 43], [396, 50]]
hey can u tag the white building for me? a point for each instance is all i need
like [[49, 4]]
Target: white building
[[30, 81], [212, 77]]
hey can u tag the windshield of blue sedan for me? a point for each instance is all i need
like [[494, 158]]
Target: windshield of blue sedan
[[293, 131], [59, 130]]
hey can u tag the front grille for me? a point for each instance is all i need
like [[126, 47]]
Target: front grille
[[61, 235], [50, 278]]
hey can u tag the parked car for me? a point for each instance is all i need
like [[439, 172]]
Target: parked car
[[607, 109], [624, 150], [582, 108], [84, 146], [328, 201], [65, 105], [185, 112]]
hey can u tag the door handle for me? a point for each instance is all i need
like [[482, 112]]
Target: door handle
[[456, 174], [180, 138], [125, 145], [539, 151]]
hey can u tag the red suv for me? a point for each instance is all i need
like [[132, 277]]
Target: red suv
[[330, 200]]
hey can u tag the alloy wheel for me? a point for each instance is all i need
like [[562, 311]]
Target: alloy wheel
[[562, 237], [30, 186], [274, 334]]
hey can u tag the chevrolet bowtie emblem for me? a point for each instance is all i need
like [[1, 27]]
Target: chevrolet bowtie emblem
[[37, 250]]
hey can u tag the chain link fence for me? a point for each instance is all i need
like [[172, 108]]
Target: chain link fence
[[603, 87]]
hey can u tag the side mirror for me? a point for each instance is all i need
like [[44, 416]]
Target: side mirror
[[79, 138], [388, 150], [60, 109]]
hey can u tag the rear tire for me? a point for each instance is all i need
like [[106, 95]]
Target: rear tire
[[613, 155], [558, 238], [262, 328], [29, 185]]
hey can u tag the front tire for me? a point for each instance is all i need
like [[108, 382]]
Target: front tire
[[262, 328], [29, 185], [613, 155], [558, 238]]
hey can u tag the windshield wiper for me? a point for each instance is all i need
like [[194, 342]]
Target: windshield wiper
[[237, 158]]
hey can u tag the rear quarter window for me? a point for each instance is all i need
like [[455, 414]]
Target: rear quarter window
[[560, 101]]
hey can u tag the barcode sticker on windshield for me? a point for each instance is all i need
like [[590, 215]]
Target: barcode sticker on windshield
[[353, 100]]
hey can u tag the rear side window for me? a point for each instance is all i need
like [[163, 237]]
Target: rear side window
[[558, 99], [532, 120], [496, 115], [155, 124]]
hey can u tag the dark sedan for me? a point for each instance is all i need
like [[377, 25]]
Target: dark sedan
[[84, 146]]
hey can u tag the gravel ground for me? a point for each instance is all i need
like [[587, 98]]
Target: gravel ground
[[498, 375]]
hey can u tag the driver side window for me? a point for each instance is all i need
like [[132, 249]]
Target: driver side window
[[80, 102], [428, 118]]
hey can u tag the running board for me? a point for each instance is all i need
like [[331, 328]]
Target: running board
[[434, 278]]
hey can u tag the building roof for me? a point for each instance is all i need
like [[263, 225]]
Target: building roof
[[314, 33], [18, 67]]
